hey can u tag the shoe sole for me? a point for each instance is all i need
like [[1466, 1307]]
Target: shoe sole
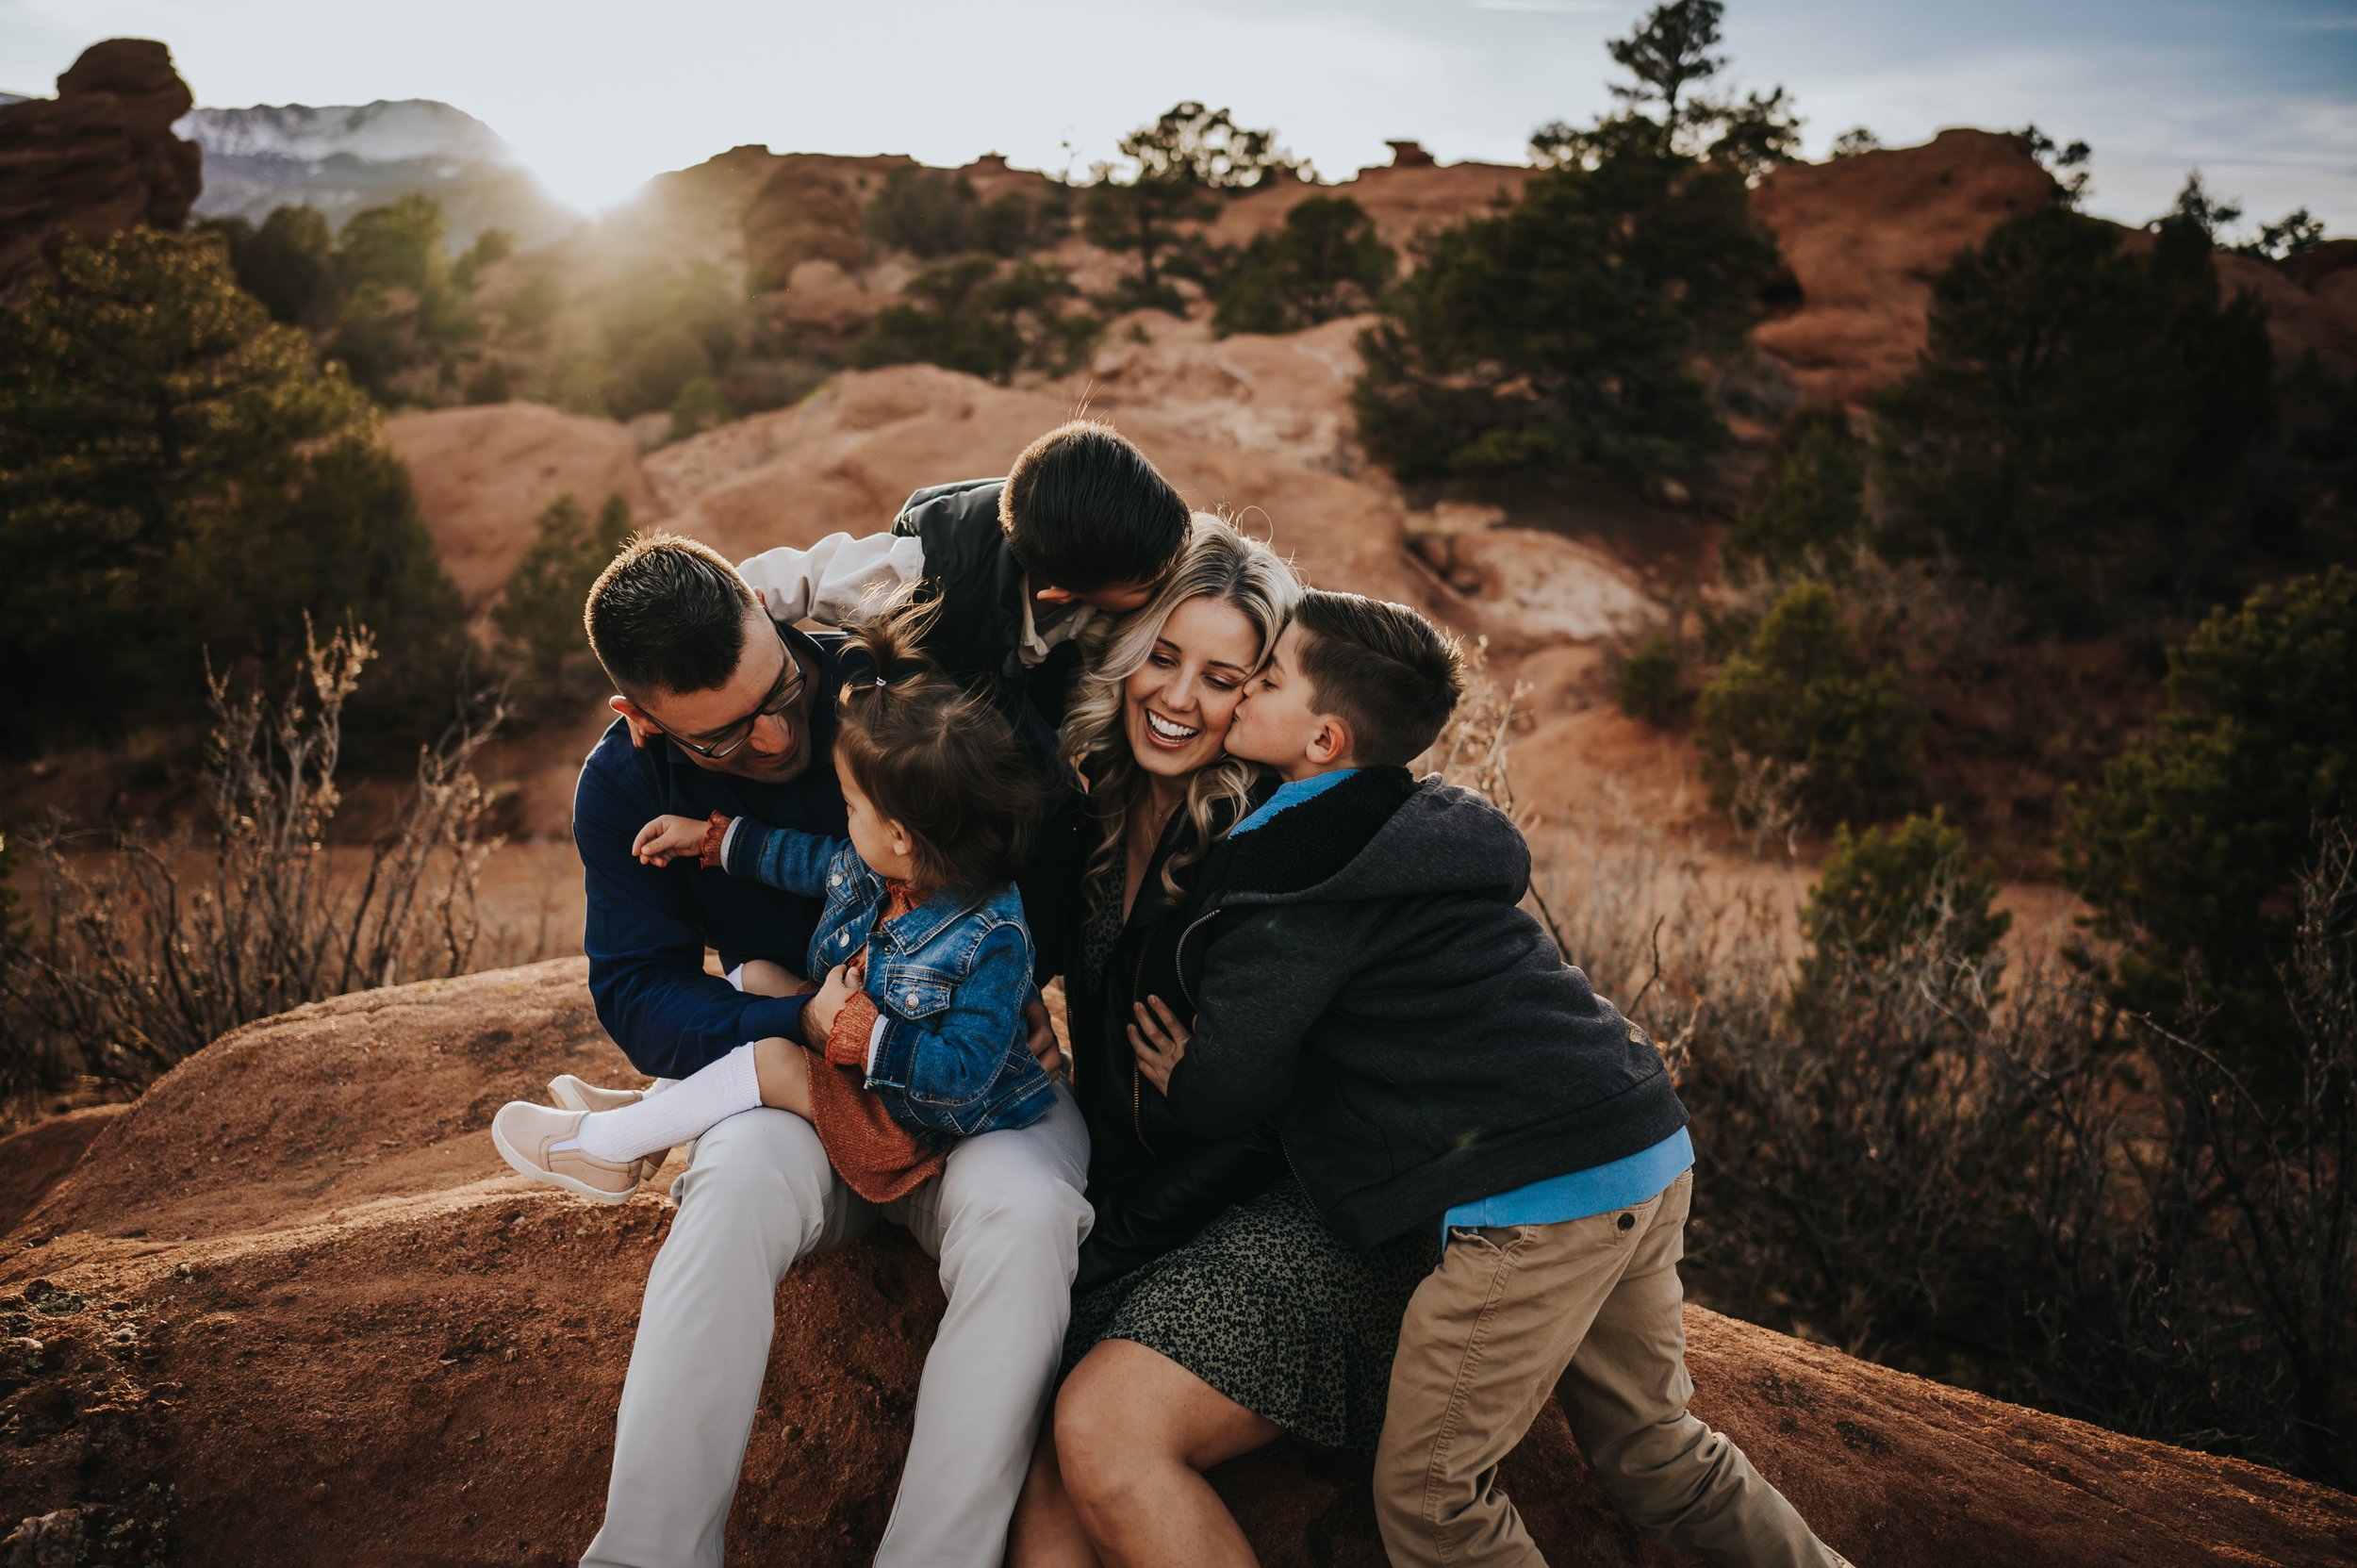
[[545, 1177]]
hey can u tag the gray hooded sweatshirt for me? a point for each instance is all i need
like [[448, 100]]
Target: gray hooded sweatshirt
[[1360, 970]]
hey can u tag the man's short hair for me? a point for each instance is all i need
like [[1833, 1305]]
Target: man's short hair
[[1382, 668], [1083, 509], [667, 614]]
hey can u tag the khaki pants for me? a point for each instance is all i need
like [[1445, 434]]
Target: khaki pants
[[1585, 1311]]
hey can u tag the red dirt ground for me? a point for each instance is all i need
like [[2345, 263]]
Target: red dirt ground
[[292, 1308]]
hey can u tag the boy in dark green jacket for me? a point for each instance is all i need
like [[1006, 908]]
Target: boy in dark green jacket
[[1359, 968]]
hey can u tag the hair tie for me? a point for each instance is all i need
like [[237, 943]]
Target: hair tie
[[859, 668]]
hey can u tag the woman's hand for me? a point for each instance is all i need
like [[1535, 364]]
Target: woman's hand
[[665, 838], [1160, 1040], [842, 984]]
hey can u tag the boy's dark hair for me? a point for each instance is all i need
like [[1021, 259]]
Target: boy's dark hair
[[667, 614], [936, 759], [1083, 509], [1386, 671]]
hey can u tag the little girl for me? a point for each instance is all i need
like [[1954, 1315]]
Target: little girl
[[926, 958]]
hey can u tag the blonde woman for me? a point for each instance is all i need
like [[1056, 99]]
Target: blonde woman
[[1214, 1310]]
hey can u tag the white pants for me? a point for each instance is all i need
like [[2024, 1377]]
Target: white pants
[[1005, 1219]]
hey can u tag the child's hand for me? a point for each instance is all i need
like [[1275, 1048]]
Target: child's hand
[[843, 982], [1160, 1040], [1045, 1049], [665, 838]]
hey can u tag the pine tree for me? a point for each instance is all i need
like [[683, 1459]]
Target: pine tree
[[177, 476], [2188, 848], [2079, 428], [1172, 173]]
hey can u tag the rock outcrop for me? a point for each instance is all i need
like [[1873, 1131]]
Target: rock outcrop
[[814, 207], [98, 159], [295, 1286], [1864, 235], [1409, 196], [849, 456], [484, 473]]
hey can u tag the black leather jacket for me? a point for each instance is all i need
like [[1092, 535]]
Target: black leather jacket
[[1152, 1184]]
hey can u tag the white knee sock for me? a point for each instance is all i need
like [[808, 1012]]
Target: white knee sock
[[687, 1109]]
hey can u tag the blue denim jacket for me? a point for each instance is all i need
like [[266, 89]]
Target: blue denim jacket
[[949, 979]]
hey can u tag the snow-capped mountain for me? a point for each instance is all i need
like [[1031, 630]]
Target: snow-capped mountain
[[340, 159]]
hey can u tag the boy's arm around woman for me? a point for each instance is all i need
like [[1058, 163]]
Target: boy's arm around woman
[[1265, 975]]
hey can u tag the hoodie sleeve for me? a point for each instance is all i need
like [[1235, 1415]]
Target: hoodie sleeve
[[831, 579], [1266, 979]]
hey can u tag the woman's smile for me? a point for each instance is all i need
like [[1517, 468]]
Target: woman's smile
[[1169, 731]]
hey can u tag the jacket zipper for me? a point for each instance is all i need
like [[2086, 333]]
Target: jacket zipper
[[1178, 956], [1287, 1149], [1137, 1079]]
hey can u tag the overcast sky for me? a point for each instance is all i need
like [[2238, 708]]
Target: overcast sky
[[596, 95]]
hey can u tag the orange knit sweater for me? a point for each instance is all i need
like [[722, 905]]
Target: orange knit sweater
[[876, 1156]]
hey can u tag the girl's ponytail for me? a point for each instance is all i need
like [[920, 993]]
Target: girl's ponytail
[[942, 762]]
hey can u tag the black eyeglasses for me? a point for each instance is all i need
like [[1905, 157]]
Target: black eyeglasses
[[787, 691]]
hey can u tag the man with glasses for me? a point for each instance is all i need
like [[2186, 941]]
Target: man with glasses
[[722, 709]]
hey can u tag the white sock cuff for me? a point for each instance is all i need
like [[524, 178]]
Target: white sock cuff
[[688, 1109]]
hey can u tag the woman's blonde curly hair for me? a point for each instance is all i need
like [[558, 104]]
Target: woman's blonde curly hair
[[1218, 563]]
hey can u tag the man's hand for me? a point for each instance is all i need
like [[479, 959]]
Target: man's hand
[[843, 982], [1043, 1041], [1160, 1040], [665, 838]]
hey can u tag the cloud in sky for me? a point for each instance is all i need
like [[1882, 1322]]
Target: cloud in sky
[[596, 95]]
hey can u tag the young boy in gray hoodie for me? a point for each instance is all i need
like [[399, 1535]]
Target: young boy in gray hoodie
[[1358, 967]]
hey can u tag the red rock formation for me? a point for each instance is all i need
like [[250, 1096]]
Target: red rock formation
[[98, 159], [814, 207], [1404, 198], [295, 1285], [1864, 235], [484, 473]]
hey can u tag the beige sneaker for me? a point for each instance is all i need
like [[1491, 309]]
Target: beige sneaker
[[577, 1094], [522, 1132]]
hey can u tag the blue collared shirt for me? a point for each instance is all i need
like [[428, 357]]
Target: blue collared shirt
[[1578, 1194], [1289, 794]]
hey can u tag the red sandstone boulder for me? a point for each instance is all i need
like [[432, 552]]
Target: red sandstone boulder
[[292, 1297], [483, 475], [98, 158]]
